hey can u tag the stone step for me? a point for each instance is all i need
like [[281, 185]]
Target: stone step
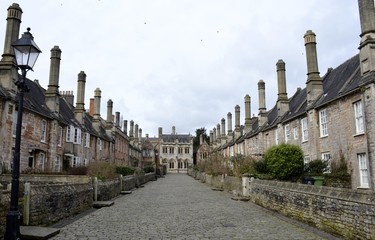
[[244, 199], [100, 204], [35, 232], [126, 192]]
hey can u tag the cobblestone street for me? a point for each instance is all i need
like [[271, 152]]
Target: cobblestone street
[[179, 207]]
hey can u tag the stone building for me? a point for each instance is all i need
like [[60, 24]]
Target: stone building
[[175, 151], [331, 118], [55, 132]]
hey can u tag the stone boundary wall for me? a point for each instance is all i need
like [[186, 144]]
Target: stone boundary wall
[[227, 183], [53, 198], [348, 213], [344, 212]]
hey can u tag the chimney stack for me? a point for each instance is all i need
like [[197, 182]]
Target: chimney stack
[[218, 136], [8, 66], [131, 132], [247, 112], [314, 82], [367, 45], [173, 130], [80, 104], [52, 94], [136, 132], [282, 99], [262, 117], [126, 127], [140, 134], [160, 132], [237, 126], [214, 136], [97, 97], [109, 124], [117, 114], [229, 117], [223, 137], [211, 137]]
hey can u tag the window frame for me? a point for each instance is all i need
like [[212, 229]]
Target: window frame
[[323, 123], [59, 136], [287, 133], [359, 117], [304, 129], [326, 156], [43, 131], [363, 168]]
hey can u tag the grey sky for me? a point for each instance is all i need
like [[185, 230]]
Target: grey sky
[[185, 63]]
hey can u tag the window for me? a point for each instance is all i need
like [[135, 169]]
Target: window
[[295, 133], [171, 150], [180, 150], [363, 170], [76, 162], [42, 158], [276, 137], [323, 119], [69, 133], [85, 162], [165, 150], [287, 133], [171, 165], [305, 130], [59, 136], [187, 150], [306, 160], [57, 164], [326, 156], [358, 115], [43, 131], [77, 136], [86, 139], [100, 144]]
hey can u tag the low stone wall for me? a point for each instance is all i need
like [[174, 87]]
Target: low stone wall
[[227, 183], [349, 213], [4, 209], [53, 202]]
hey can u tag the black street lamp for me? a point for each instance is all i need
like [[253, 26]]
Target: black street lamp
[[26, 53]]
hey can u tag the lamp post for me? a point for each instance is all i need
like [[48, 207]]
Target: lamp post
[[26, 53]]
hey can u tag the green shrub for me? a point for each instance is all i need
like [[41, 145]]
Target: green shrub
[[284, 161], [149, 169], [316, 167], [260, 166], [125, 170]]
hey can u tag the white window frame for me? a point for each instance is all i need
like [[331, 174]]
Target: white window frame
[[57, 164], [14, 125], [363, 170], [77, 136], [70, 133], [43, 131], [323, 123], [326, 156], [295, 133], [42, 161], [59, 136], [305, 129], [100, 144], [287, 133], [276, 137], [306, 160], [359, 117], [86, 140]]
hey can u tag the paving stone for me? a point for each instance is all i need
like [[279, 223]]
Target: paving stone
[[177, 207]]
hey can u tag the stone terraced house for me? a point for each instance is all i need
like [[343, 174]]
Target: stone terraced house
[[332, 117], [54, 130]]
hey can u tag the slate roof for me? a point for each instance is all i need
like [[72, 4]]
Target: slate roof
[[182, 138]]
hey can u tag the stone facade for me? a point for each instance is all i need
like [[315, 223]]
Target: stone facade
[[332, 118]]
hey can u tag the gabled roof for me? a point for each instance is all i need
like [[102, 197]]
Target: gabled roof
[[35, 99]]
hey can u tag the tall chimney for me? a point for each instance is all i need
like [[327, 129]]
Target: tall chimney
[[237, 126], [247, 112], [91, 109], [109, 114], [140, 134], [160, 132], [367, 45], [173, 130], [136, 132], [262, 117], [131, 132], [97, 97], [218, 133], [214, 140], [282, 99], [8, 66], [222, 128], [52, 94], [126, 127], [80, 104], [117, 114], [229, 116], [211, 137], [314, 82]]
